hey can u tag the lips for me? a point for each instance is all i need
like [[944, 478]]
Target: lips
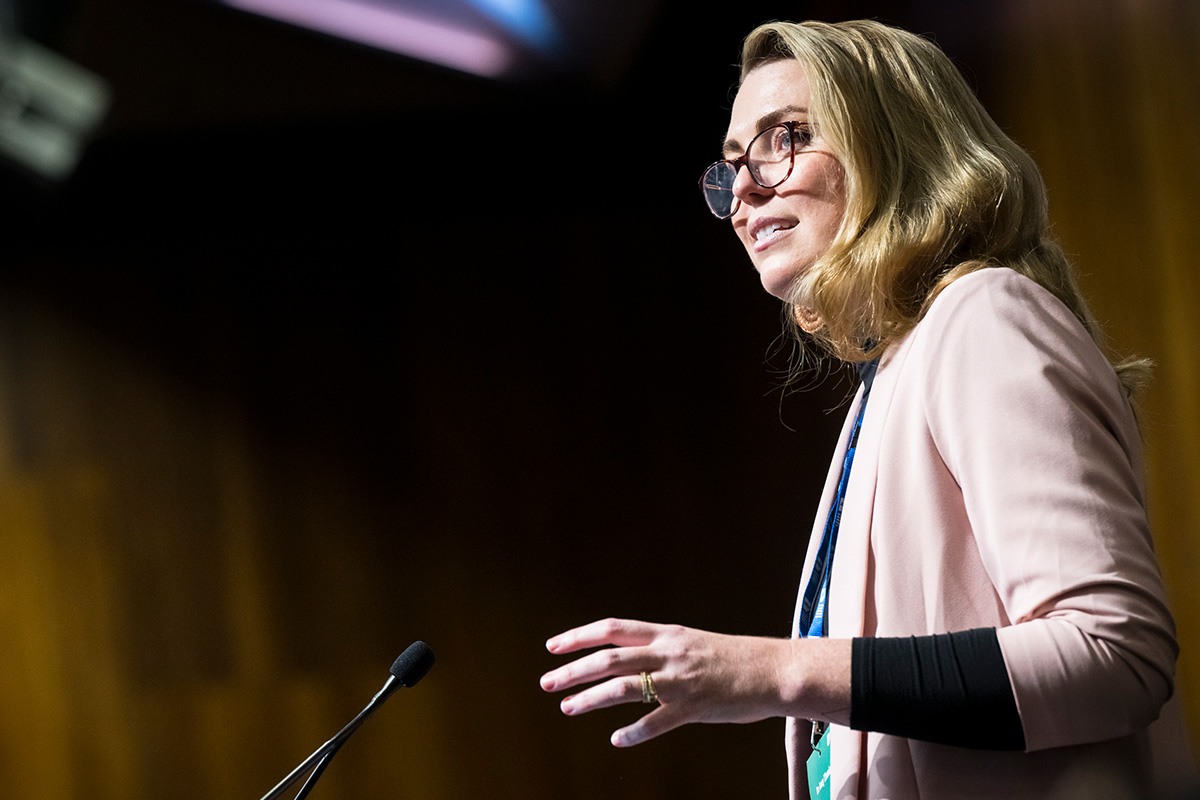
[[763, 231]]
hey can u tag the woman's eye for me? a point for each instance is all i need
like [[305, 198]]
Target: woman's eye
[[781, 141]]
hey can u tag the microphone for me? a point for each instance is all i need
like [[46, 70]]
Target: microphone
[[406, 670]]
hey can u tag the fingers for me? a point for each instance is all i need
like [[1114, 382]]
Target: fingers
[[656, 723], [598, 665], [629, 655], [625, 689], [629, 648], [619, 632]]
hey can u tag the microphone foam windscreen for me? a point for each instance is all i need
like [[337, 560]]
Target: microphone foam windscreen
[[413, 663]]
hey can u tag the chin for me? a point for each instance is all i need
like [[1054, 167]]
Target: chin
[[791, 288]]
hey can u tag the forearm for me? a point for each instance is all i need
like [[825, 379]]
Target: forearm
[[948, 688]]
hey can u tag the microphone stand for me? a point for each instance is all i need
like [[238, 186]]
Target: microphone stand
[[409, 668], [325, 752], [316, 773]]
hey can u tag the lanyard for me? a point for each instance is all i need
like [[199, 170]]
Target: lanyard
[[813, 619]]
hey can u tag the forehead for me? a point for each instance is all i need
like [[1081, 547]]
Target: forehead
[[767, 93]]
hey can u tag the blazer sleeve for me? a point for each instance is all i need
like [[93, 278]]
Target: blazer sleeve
[[1031, 421]]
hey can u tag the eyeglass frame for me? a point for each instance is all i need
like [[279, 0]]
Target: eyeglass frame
[[744, 161]]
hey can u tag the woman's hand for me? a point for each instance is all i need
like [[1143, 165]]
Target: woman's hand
[[698, 676]]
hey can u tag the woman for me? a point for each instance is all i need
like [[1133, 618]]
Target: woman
[[980, 613]]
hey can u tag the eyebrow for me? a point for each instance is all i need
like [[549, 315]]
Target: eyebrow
[[765, 121]]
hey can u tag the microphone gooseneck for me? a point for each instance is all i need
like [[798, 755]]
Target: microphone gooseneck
[[409, 668]]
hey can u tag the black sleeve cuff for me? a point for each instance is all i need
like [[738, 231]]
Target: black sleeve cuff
[[949, 688]]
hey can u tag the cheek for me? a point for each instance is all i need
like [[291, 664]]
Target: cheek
[[834, 196], [741, 226]]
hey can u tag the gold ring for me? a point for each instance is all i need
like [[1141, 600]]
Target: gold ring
[[648, 693]]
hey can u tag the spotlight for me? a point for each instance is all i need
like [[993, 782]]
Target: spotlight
[[49, 107]]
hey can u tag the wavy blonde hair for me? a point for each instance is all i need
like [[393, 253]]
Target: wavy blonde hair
[[934, 189]]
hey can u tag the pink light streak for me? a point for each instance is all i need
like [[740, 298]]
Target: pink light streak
[[391, 29]]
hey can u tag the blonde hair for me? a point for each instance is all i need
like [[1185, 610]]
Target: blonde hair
[[934, 189]]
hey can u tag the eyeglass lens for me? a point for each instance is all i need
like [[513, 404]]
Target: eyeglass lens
[[769, 158], [718, 189]]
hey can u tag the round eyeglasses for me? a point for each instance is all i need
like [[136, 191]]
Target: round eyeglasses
[[769, 158]]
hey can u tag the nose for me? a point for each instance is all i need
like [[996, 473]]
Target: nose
[[745, 188]]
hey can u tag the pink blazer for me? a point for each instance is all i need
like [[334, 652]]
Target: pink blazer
[[999, 483]]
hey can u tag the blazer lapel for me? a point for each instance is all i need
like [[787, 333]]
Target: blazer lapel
[[827, 497]]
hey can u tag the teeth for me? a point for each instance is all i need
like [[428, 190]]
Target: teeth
[[767, 231]]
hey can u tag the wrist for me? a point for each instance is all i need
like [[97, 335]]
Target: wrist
[[815, 683]]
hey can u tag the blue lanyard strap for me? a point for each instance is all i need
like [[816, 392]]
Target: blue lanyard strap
[[813, 619]]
